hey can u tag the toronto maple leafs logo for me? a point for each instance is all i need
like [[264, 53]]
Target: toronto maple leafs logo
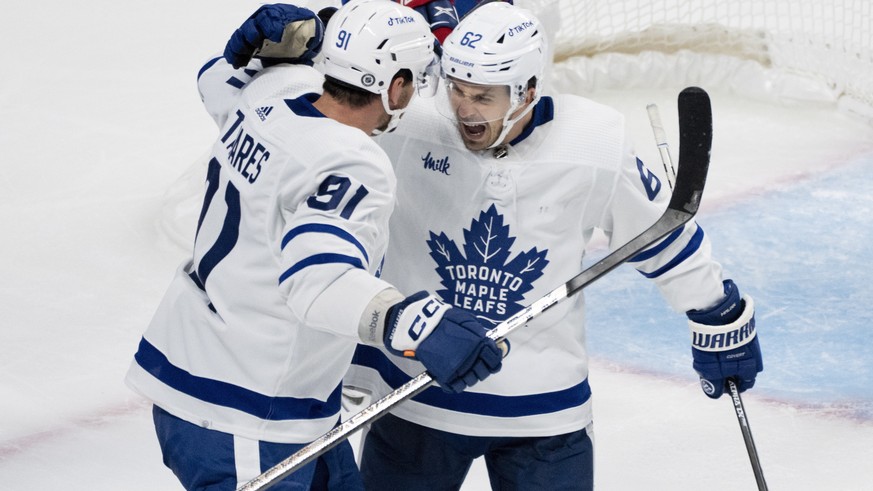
[[482, 279]]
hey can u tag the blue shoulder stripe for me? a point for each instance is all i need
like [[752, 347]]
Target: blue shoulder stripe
[[233, 396], [235, 82], [327, 258], [690, 248], [325, 229], [473, 403]]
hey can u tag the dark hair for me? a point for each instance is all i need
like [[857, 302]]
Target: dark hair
[[347, 94], [353, 96], [532, 83]]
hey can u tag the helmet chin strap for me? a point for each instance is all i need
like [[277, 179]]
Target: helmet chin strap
[[509, 123]]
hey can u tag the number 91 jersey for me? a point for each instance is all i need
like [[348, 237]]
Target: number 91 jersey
[[259, 325]]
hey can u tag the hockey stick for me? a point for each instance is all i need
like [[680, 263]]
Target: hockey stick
[[747, 434], [661, 142], [664, 149], [667, 161], [695, 123]]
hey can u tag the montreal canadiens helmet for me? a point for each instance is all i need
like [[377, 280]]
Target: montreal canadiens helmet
[[367, 42]]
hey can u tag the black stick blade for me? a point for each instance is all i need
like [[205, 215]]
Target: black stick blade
[[695, 141]]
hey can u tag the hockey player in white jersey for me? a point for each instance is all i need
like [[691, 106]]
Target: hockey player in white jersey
[[500, 190], [496, 205], [245, 356]]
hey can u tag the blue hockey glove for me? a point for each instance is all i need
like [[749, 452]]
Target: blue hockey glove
[[276, 33], [724, 343], [449, 342]]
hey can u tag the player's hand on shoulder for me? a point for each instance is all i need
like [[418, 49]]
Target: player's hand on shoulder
[[276, 33], [724, 343], [450, 342]]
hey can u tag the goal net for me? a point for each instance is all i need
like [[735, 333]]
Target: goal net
[[635, 52], [820, 50]]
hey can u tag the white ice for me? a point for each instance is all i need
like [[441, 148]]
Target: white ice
[[100, 117]]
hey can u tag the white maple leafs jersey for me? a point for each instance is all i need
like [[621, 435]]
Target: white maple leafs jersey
[[258, 327], [492, 235]]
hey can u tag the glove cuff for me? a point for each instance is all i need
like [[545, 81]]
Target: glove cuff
[[727, 310], [727, 337], [371, 328]]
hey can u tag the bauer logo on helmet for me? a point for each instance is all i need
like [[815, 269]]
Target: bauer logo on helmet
[[461, 62]]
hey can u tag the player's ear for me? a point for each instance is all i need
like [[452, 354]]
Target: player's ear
[[529, 94], [397, 96]]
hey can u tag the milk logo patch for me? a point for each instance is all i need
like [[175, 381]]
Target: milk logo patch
[[482, 276], [437, 164]]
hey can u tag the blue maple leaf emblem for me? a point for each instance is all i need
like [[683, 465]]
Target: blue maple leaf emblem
[[483, 279]]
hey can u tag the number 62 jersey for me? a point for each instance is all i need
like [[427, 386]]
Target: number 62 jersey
[[493, 231], [258, 327]]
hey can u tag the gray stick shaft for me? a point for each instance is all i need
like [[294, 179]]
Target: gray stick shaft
[[338, 434], [671, 220], [661, 142], [747, 435], [380, 407]]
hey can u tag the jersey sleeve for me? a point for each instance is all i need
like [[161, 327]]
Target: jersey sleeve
[[681, 264], [221, 86], [335, 237]]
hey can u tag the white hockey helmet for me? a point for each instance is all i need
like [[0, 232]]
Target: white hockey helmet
[[367, 42], [498, 44]]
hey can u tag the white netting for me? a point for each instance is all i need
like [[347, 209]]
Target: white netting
[[827, 41]]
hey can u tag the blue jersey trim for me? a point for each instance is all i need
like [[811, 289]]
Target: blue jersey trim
[[207, 66], [271, 408], [654, 251], [690, 248], [302, 106], [473, 403], [235, 82], [327, 229], [327, 258], [543, 112]]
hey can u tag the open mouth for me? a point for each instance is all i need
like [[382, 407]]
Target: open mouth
[[474, 131]]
